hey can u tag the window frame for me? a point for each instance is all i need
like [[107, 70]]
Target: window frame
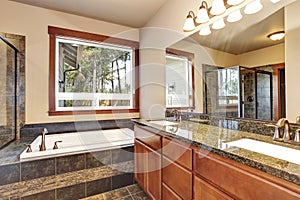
[[62, 32], [190, 57]]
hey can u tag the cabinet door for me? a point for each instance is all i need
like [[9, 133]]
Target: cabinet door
[[168, 193], [153, 174], [178, 178], [205, 191], [139, 163]]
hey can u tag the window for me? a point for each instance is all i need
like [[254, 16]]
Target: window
[[228, 90], [179, 79], [92, 73]]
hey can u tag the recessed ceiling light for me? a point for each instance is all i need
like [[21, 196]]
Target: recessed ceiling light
[[277, 35]]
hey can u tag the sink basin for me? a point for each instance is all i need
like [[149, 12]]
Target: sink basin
[[163, 123], [276, 151]]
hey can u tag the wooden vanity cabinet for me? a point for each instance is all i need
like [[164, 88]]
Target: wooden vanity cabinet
[[169, 169], [148, 162], [239, 181]]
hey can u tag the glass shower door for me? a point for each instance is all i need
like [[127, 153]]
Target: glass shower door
[[8, 59]]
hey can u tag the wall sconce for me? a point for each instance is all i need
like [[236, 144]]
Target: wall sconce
[[277, 35], [218, 7]]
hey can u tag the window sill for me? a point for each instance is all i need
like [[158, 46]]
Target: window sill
[[89, 112]]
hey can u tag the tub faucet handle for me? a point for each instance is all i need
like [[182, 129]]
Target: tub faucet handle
[[28, 148], [55, 144]]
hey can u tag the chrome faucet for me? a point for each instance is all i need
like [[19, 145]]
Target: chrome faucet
[[284, 123], [43, 141]]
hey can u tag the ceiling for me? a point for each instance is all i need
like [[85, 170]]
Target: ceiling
[[237, 38], [133, 13]]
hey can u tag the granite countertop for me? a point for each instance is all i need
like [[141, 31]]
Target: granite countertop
[[214, 138]]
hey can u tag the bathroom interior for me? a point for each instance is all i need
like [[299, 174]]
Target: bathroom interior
[[98, 103]]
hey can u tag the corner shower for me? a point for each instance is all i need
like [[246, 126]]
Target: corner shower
[[239, 92], [8, 91]]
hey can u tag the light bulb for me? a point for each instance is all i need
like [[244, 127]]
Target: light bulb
[[253, 7], [189, 24], [218, 24], [235, 16], [202, 16], [205, 31], [274, 1], [234, 2], [217, 7]]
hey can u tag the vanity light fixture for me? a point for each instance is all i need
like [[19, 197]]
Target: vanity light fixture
[[218, 24], [277, 35], [253, 7], [217, 7], [205, 31], [235, 16]]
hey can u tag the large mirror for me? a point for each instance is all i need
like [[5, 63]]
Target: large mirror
[[239, 70]]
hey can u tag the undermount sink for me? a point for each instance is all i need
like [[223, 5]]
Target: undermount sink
[[163, 122], [276, 151]]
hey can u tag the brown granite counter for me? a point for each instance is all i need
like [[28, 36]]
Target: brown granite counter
[[214, 138]]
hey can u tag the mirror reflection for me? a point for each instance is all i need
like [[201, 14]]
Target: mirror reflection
[[239, 70]]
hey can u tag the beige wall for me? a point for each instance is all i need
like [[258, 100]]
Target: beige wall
[[265, 56], [292, 52], [33, 22]]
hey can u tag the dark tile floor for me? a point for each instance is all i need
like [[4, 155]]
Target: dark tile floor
[[131, 192]]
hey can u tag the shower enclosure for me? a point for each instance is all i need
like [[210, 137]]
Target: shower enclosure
[[8, 91], [239, 92]]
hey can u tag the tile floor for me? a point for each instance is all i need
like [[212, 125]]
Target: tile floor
[[131, 192]]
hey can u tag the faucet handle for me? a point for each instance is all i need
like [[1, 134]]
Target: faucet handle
[[55, 144], [277, 135], [297, 136], [29, 148]]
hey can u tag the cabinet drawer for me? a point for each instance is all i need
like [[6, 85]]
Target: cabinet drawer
[[178, 152], [150, 139], [205, 191], [233, 178], [168, 194], [177, 178]]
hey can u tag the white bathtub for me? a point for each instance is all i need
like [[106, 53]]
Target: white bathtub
[[80, 142]]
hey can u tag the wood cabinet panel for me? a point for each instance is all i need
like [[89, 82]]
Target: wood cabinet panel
[[150, 139], [168, 194], [205, 191], [178, 152], [239, 182], [139, 163], [153, 174], [177, 178], [148, 169]]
